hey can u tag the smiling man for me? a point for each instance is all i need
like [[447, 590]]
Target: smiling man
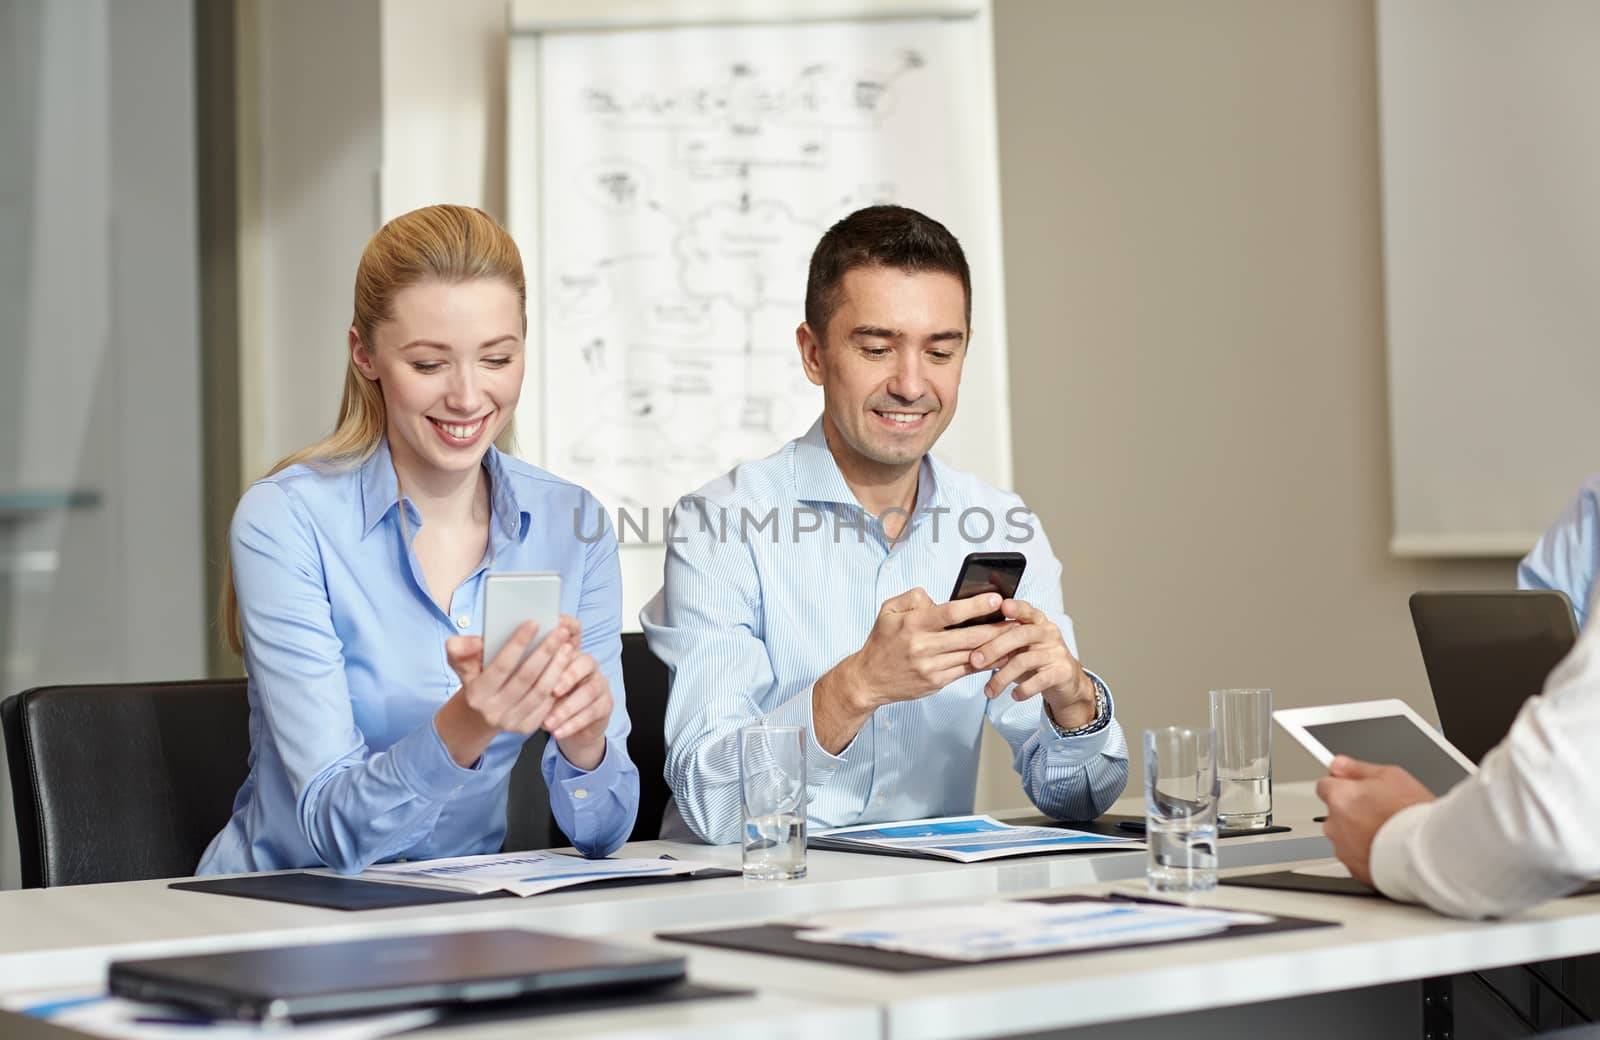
[[801, 589]]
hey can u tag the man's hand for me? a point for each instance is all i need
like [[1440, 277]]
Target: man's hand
[[909, 654], [1031, 652], [1360, 798]]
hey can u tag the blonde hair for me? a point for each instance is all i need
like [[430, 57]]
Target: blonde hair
[[448, 244]]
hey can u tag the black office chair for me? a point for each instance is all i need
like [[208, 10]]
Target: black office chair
[[645, 680], [529, 823], [123, 782], [648, 683]]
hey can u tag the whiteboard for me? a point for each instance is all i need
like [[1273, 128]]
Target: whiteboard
[[675, 180], [1491, 200]]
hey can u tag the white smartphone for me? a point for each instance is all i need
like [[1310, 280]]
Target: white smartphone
[[511, 598]]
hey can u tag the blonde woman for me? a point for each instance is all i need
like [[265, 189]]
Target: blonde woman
[[377, 729]]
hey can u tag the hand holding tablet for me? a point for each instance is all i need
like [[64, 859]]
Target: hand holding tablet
[[1382, 758], [1386, 732]]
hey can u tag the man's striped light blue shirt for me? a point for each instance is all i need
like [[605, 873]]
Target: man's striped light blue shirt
[[1568, 556], [775, 573]]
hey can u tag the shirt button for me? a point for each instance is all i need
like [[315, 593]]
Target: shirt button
[[462, 621], [580, 793], [887, 724]]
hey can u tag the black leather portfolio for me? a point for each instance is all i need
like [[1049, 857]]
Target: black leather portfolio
[[779, 940], [348, 893]]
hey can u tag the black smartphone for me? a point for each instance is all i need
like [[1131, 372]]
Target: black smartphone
[[988, 572]]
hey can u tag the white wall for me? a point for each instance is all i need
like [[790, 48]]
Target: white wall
[[1194, 281], [1491, 155], [350, 114], [310, 129], [443, 101]]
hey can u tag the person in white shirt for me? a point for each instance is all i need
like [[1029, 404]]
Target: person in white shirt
[[1518, 833]]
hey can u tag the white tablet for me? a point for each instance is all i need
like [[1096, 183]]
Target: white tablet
[[1386, 732]]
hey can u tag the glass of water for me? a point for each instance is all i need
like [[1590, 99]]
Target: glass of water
[[1180, 786], [772, 785], [1242, 720]]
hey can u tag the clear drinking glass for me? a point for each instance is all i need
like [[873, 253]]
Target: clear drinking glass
[[1242, 720], [772, 785], [1180, 785]]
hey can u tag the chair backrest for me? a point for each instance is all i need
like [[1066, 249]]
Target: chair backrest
[[123, 782], [529, 822], [648, 682]]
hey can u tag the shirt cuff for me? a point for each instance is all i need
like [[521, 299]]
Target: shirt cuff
[[820, 764], [1390, 858], [1083, 744], [424, 765], [603, 771]]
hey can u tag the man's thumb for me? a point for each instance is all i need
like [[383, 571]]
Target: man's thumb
[[1348, 768]]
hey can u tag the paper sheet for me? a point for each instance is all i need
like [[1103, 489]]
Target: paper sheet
[[524, 873], [986, 931], [1334, 869], [970, 839]]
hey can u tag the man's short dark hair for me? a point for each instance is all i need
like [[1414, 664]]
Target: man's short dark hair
[[879, 236]]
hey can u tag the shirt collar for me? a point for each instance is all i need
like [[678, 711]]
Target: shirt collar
[[817, 477], [380, 488], [380, 493]]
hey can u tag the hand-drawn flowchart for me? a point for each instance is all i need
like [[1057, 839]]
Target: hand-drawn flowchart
[[687, 174]]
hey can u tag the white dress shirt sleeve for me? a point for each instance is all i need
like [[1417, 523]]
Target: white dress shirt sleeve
[[1522, 830]]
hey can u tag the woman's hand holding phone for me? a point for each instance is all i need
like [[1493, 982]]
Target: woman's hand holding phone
[[581, 712], [502, 695]]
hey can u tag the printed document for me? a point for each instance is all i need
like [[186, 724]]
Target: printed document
[[965, 839], [524, 873]]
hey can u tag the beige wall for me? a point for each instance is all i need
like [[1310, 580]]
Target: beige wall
[[1194, 284]]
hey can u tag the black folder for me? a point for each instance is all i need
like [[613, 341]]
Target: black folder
[[1122, 826], [1289, 881], [780, 940]]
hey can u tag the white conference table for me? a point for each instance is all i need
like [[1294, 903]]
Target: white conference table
[[1297, 983], [61, 936], [1357, 979]]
